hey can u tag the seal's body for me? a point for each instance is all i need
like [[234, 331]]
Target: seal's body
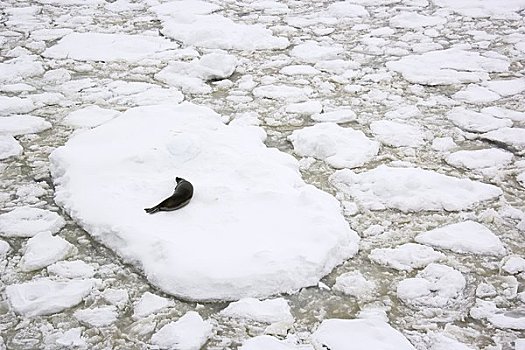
[[180, 197]]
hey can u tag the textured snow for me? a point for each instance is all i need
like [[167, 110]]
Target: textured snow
[[336, 334], [108, 47], [23, 124], [44, 249], [405, 257], [504, 113], [412, 189], [354, 284], [9, 147], [19, 69], [27, 222], [476, 94], [443, 144], [189, 332], [150, 303], [46, 296], [282, 92], [472, 121], [340, 147], [411, 20], [191, 142], [72, 338], [305, 108], [514, 137], [268, 311], [117, 297], [507, 87], [345, 9], [479, 159], [338, 115], [397, 134], [467, 237], [71, 269], [90, 117], [97, 317], [313, 52]]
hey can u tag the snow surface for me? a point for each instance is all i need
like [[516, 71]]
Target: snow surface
[[337, 334], [514, 137], [472, 121], [72, 338], [338, 115], [189, 332], [466, 237], [20, 68], [97, 317], [9, 147], [354, 284], [27, 222], [266, 253], [267, 311], [504, 113], [514, 265], [483, 8], [23, 124], [476, 94], [411, 20], [71, 269], [4, 249], [405, 257], [485, 309], [282, 92], [340, 147], [90, 117], [412, 189], [45, 296], [397, 134], [44, 249], [479, 159], [149, 304]]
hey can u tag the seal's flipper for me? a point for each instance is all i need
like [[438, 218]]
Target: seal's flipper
[[152, 210]]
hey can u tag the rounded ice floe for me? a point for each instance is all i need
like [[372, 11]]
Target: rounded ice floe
[[506, 87], [412, 189], [476, 122], [9, 147], [305, 108], [90, 117], [405, 257], [340, 147], [267, 311], [142, 94], [282, 92], [71, 269], [338, 115], [27, 222], [23, 124], [57, 76], [513, 137], [44, 249], [354, 284], [4, 249], [467, 237], [150, 303], [15, 105], [446, 67], [485, 309], [108, 47], [435, 286], [413, 20], [265, 342], [397, 134], [236, 178], [313, 52], [479, 159], [346, 9], [46, 296], [474, 93], [513, 264], [189, 332], [97, 317], [337, 334]]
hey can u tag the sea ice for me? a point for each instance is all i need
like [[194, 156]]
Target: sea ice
[[504, 113], [507, 87], [194, 7], [266, 342], [405, 112], [337, 334], [27, 222], [133, 164], [354, 284], [442, 342], [97, 317], [340, 147], [19, 69], [23, 124], [443, 144], [346, 9], [512, 265], [150, 303], [305, 108], [450, 66], [267, 311], [338, 115], [514, 137], [412, 189], [108, 47], [483, 8], [299, 69], [46, 296], [474, 93], [14, 105], [485, 309], [476, 122], [413, 20], [313, 52], [90, 117], [9, 147], [397, 134], [189, 332], [4, 249], [405, 257], [117, 297], [72, 338], [480, 159], [283, 92], [42, 250], [435, 286], [71, 269]]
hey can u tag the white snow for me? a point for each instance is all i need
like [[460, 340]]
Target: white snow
[[398, 134], [412, 20], [479, 159], [405, 112], [27, 222], [485, 309], [305, 108], [108, 47], [443, 342], [23, 124], [267, 311], [337, 334], [71, 269], [354, 284], [482, 8], [266, 342], [150, 303], [405, 257], [14, 105], [474, 93], [472, 121], [435, 286], [97, 317], [282, 92], [507, 87], [299, 69], [189, 332], [450, 66], [338, 115], [504, 113], [9, 147], [195, 7], [46, 296], [466, 237], [443, 144], [521, 178], [313, 52], [42, 250], [19, 69], [134, 160], [340, 147], [412, 189], [513, 265], [346, 9], [72, 338], [117, 297], [4, 249], [90, 117], [514, 137]]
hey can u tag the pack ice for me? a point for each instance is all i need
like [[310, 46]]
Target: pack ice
[[254, 227]]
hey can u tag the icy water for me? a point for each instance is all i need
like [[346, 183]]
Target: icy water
[[365, 85]]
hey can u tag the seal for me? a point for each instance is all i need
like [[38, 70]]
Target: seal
[[180, 197]]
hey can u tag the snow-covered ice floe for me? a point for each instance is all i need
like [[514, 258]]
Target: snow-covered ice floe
[[44, 249], [267, 311], [190, 332], [254, 227], [412, 189], [406, 257], [28, 221], [513, 319]]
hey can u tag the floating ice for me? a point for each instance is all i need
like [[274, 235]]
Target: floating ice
[[512, 265], [141, 93], [313, 52], [476, 122], [23, 124], [14, 105], [282, 92], [474, 93], [339, 115], [305, 108], [435, 286], [444, 67], [346, 9], [266, 342], [442, 342], [90, 117], [443, 144], [19, 69], [484, 309], [398, 134], [9, 147], [467, 237], [27, 222], [506, 87], [405, 112], [117, 297], [483, 8], [236, 178], [413, 20], [479, 159], [354, 284], [4, 249], [108, 47], [412, 189], [97, 317], [44, 249], [194, 7], [267, 311], [504, 113], [150, 303], [299, 70], [46, 296], [514, 137], [72, 338], [405, 257], [340, 147], [71, 269], [189, 332], [336, 334]]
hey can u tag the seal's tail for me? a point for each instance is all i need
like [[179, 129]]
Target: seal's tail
[[152, 210]]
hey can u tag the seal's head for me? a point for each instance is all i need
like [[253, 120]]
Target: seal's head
[[179, 179]]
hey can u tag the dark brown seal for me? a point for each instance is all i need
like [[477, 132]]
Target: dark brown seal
[[180, 197]]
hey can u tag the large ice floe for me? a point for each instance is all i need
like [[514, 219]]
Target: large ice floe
[[412, 189], [253, 228]]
